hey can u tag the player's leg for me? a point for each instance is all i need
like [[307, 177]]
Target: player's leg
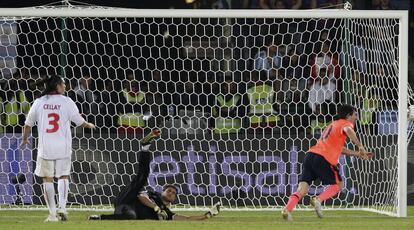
[[123, 212], [294, 199], [128, 194], [329, 175], [45, 170], [112, 217], [306, 179], [63, 190], [49, 195], [125, 200], [62, 172], [329, 192]]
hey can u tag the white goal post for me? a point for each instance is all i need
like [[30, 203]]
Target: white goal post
[[250, 169]]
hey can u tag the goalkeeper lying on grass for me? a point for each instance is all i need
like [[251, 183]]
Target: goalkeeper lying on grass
[[135, 203]]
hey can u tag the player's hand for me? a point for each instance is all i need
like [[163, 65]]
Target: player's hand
[[362, 152], [162, 215], [90, 126], [361, 149], [365, 155], [157, 209], [214, 211], [24, 143]]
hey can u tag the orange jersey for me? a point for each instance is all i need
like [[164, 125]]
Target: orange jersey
[[332, 141]]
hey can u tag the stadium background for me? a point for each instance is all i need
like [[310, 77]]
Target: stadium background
[[203, 147]]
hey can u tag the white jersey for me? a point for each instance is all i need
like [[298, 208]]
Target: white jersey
[[53, 114]]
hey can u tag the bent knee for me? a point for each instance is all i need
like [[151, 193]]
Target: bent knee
[[303, 188], [47, 179], [126, 211], [130, 214]]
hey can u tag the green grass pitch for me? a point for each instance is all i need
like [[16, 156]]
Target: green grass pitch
[[227, 220]]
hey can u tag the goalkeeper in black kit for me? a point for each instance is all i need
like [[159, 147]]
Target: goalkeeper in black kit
[[134, 203]]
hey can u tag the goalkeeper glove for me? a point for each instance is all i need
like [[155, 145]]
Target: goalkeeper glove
[[214, 211], [162, 215]]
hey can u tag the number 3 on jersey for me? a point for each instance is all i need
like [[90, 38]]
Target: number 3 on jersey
[[53, 122]]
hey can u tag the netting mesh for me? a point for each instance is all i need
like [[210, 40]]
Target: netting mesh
[[239, 102]]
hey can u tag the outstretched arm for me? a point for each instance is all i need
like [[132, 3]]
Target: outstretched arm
[[145, 200], [362, 152], [353, 153], [214, 211], [352, 135], [76, 118], [87, 125], [189, 218], [349, 152]]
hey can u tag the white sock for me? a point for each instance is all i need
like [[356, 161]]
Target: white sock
[[49, 193], [63, 189], [145, 147]]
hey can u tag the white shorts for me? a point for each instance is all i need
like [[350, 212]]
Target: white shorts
[[53, 168]]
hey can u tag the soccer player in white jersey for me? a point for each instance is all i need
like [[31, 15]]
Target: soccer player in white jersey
[[53, 112]]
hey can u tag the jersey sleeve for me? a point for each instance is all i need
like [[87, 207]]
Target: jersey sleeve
[[74, 114], [31, 116]]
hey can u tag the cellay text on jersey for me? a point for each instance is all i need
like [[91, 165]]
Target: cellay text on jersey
[[51, 107]]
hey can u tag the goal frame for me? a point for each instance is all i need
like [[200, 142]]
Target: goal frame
[[402, 16]]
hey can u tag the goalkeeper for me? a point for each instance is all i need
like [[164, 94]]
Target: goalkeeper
[[135, 203]]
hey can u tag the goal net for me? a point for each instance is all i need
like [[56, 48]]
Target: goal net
[[240, 96]]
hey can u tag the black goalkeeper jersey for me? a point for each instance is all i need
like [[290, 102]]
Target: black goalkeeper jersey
[[144, 213]]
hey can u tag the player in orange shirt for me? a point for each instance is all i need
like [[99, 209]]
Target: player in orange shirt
[[322, 159]]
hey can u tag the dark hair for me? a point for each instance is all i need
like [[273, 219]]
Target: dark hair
[[344, 111], [170, 186], [50, 82]]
